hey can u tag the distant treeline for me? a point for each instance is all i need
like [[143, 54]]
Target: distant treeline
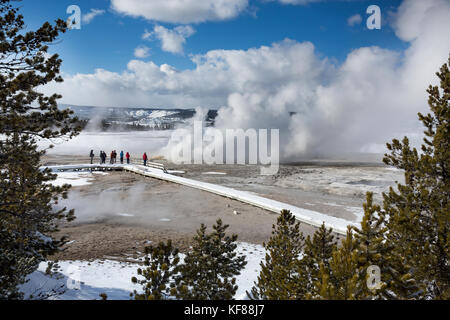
[[115, 125], [106, 125]]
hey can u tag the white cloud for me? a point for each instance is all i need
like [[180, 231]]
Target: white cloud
[[88, 17], [142, 52], [172, 40], [181, 11], [147, 35], [373, 96], [354, 20]]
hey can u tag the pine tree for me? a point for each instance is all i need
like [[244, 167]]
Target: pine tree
[[375, 250], [419, 211], [27, 216], [209, 269], [162, 265], [340, 281], [323, 290], [317, 254], [347, 273], [372, 250], [279, 278]]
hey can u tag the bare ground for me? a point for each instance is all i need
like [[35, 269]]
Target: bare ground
[[160, 212]]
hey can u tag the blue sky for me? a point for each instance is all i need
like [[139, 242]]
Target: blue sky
[[109, 40]]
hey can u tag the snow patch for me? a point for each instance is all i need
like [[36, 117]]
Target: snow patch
[[86, 280], [75, 179], [125, 215], [214, 173]]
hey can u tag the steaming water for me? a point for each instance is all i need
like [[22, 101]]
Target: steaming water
[[135, 142]]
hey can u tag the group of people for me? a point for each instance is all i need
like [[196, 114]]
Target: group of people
[[113, 157]]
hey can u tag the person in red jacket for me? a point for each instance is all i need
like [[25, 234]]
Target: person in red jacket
[[145, 158], [128, 158]]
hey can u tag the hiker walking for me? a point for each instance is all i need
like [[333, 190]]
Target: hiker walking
[[111, 159], [121, 156], [128, 158], [91, 155], [145, 158]]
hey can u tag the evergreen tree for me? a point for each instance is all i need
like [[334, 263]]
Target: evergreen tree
[[408, 240], [209, 269], [372, 250], [279, 278], [348, 274], [323, 290], [317, 254], [27, 216], [340, 281], [419, 211], [162, 265], [24, 67]]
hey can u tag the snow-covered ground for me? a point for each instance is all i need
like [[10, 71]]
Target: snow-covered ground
[[75, 179], [84, 280], [255, 254]]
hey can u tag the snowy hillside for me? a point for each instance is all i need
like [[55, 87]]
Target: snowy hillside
[[144, 118]]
